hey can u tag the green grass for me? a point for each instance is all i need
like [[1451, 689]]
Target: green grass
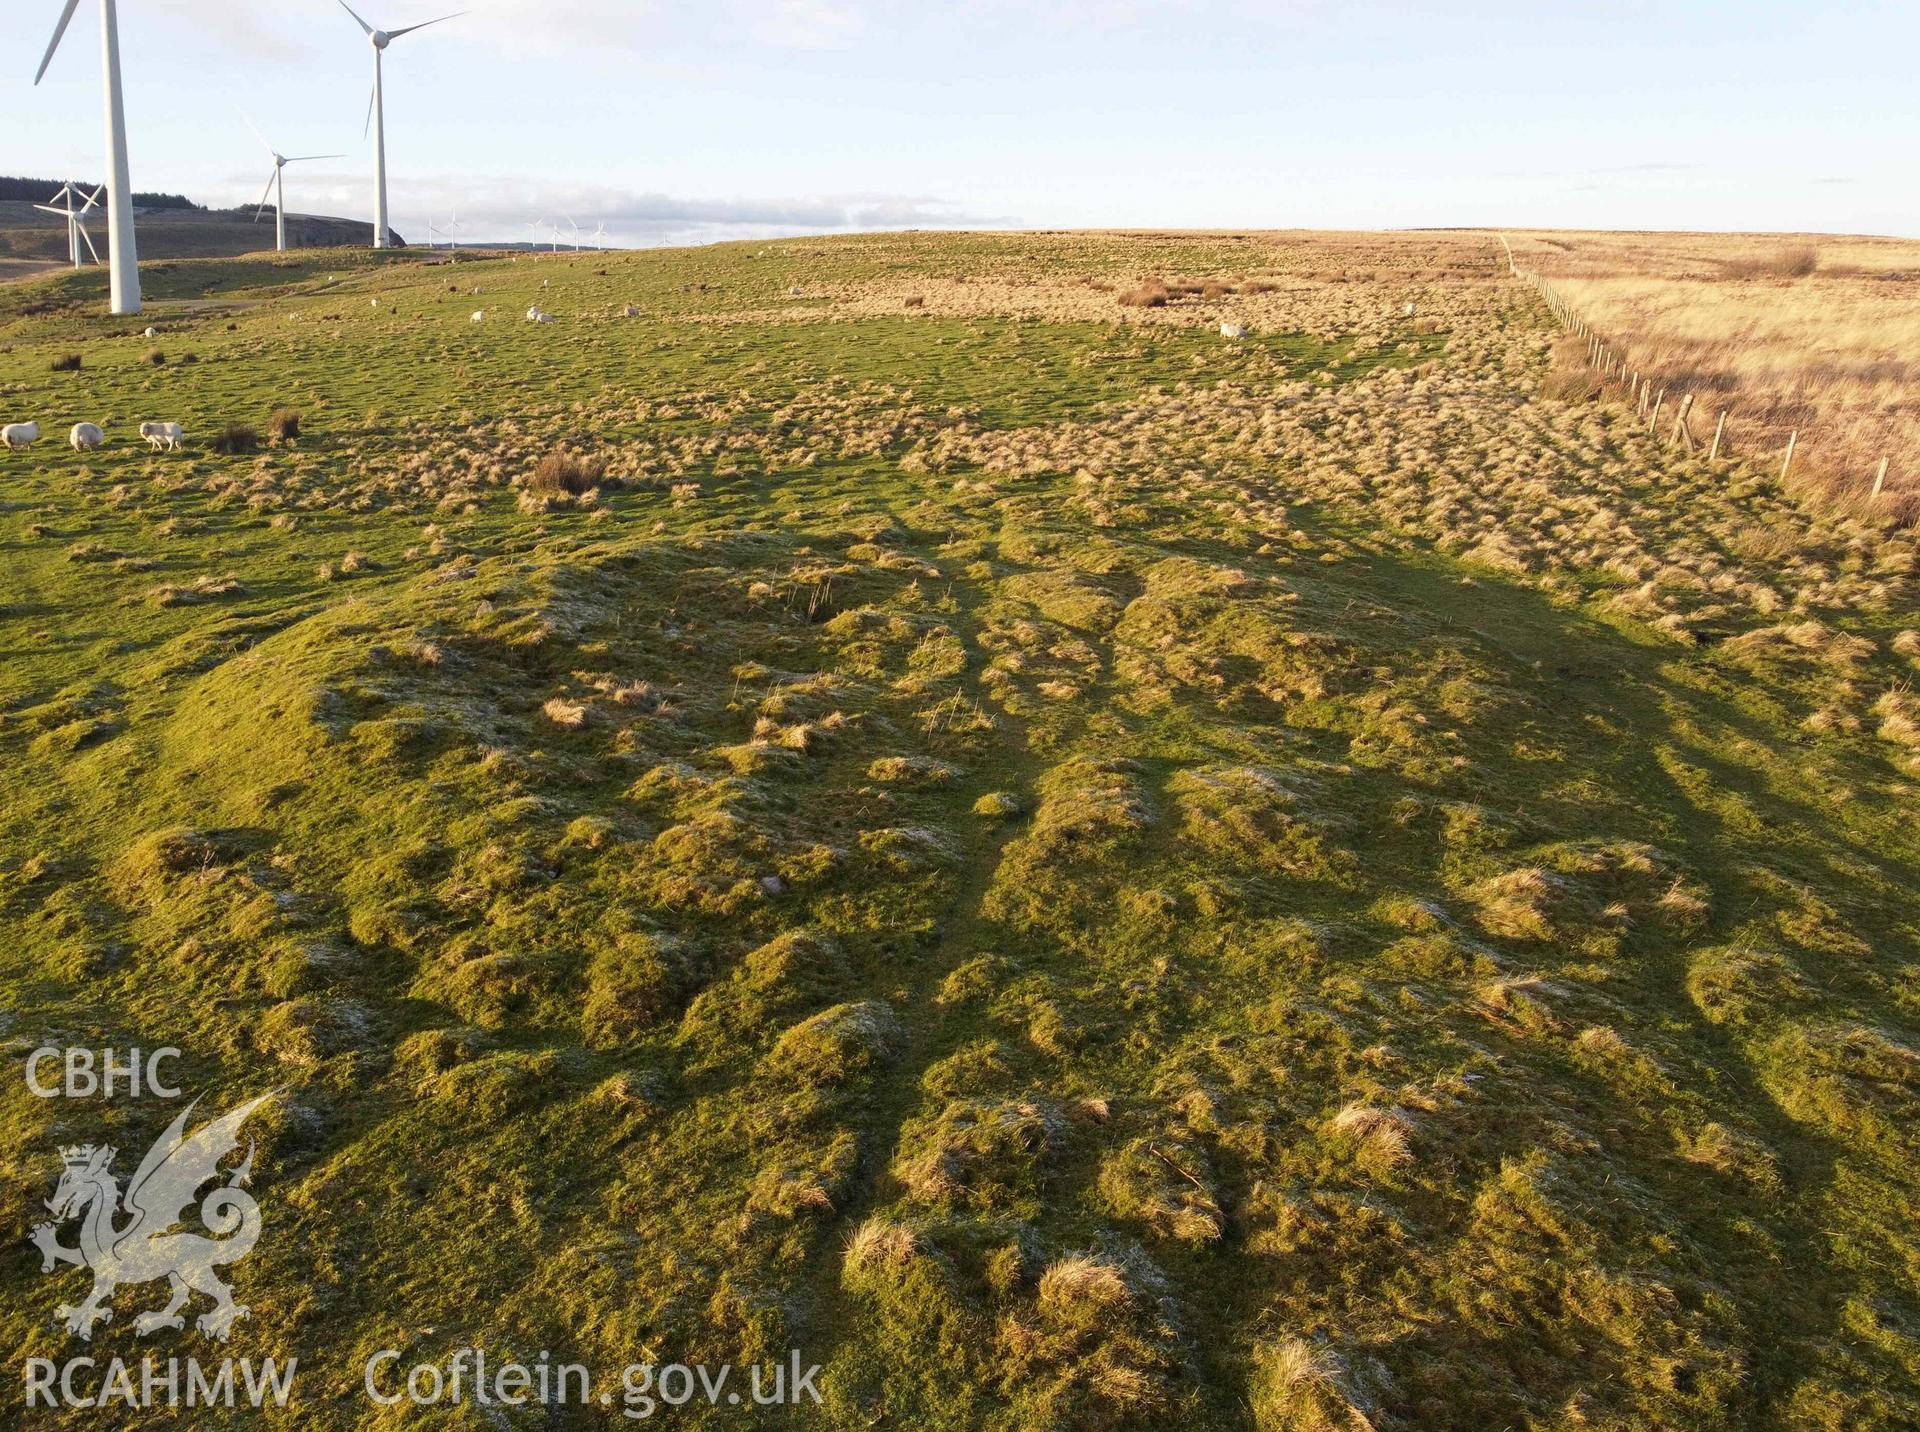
[[1385, 983]]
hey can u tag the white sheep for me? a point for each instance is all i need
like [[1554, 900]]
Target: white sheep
[[85, 437], [153, 333], [1233, 330], [20, 435], [479, 316], [159, 435], [537, 314]]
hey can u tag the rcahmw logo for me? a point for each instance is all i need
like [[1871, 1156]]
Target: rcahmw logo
[[130, 1238]]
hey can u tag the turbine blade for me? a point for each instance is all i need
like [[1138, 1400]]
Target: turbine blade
[[49, 209], [261, 208], [93, 198], [59, 31], [356, 19], [247, 119], [89, 241], [396, 34], [372, 95], [303, 158]]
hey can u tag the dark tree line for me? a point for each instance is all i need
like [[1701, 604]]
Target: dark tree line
[[38, 191]]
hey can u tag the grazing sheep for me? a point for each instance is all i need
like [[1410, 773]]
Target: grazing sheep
[[20, 435], [1412, 309], [479, 316], [153, 333], [85, 437], [1233, 330], [537, 314], [159, 435]]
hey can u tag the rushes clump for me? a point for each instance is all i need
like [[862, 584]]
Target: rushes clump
[[234, 440], [879, 1243], [1147, 295], [565, 473], [66, 363], [284, 425]]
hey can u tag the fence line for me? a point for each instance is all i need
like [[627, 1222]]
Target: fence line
[[1600, 356]]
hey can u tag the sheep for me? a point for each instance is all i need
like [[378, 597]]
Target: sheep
[[152, 333], [85, 437], [159, 435], [479, 316], [1233, 330], [20, 435], [537, 314], [633, 310]]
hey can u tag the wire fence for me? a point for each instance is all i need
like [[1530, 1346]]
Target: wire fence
[[1649, 396]]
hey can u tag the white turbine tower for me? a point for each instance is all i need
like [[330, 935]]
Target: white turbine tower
[[377, 117], [600, 235], [277, 186], [76, 221], [122, 253]]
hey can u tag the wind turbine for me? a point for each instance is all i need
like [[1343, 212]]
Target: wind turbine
[[377, 116], [122, 252], [76, 227], [277, 186], [600, 235]]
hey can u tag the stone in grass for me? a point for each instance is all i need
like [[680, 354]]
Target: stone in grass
[[998, 805]]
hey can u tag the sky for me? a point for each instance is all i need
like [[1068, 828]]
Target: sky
[[678, 121]]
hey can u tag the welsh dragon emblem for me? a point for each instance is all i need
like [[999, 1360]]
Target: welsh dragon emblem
[[148, 1247]]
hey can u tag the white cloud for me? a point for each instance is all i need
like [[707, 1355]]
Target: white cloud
[[502, 211]]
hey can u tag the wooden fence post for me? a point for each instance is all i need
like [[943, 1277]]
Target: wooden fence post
[[1719, 428], [1682, 434], [1653, 423], [1793, 441], [1880, 478]]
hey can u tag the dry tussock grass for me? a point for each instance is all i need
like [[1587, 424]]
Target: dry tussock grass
[[1817, 335]]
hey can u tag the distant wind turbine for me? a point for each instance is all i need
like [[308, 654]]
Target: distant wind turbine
[[122, 251], [377, 116], [277, 185], [76, 223], [600, 234]]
